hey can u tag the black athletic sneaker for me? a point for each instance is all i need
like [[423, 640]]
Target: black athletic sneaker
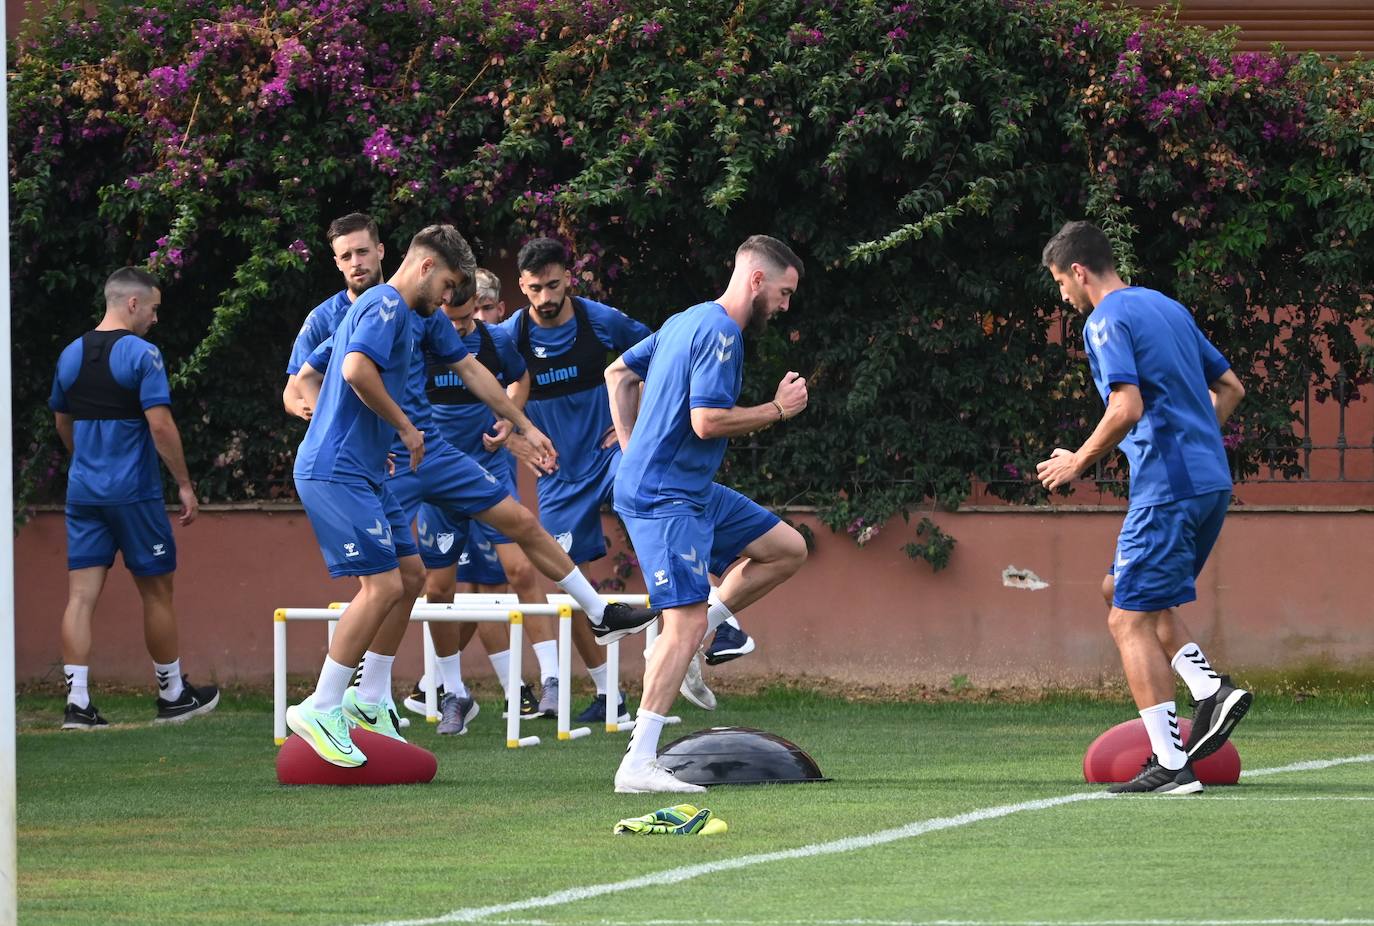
[[529, 704], [192, 701], [621, 620], [415, 701], [1214, 718], [1155, 778], [83, 718]]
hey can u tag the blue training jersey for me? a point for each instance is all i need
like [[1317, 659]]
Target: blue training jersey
[[114, 460], [319, 325], [346, 439], [435, 342], [696, 360], [463, 424], [575, 421], [1144, 338]]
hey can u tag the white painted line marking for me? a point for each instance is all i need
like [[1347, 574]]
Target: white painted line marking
[[858, 922], [854, 843]]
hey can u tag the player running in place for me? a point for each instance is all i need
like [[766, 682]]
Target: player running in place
[[363, 522], [486, 560], [675, 435], [113, 411], [358, 254], [1167, 391]]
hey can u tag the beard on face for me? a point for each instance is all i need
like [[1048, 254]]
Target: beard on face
[[357, 287], [758, 315], [549, 309]]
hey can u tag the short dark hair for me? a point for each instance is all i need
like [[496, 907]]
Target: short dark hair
[[126, 281], [539, 253], [1079, 243], [353, 222], [775, 252], [446, 243]]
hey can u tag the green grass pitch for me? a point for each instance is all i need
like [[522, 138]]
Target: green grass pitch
[[187, 825]]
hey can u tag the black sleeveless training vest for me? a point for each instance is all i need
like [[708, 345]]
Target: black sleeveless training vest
[[445, 387], [96, 395], [578, 369]]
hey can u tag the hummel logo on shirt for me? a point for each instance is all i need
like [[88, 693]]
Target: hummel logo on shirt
[[541, 351], [388, 304], [660, 577], [723, 352], [157, 357], [159, 549], [351, 549], [1098, 332]]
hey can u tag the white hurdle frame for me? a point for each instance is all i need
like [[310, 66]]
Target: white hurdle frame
[[513, 616]]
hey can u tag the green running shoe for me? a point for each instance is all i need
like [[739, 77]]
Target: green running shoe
[[327, 734], [375, 718]]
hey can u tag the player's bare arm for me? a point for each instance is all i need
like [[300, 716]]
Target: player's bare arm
[[365, 379], [1227, 392], [519, 393], [1124, 408], [788, 402], [623, 386], [167, 440], [65, 430], [308, 383], [481, 383], [294, 400]]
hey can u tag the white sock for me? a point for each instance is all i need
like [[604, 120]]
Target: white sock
[[500, 663], [1197, 673], [78, 676], [717, 613], [576, 584], [329, 690], [547, 654], [1161, 722], [451, 674], [598, 674], [168, 680], [644, 737], [375, 686]]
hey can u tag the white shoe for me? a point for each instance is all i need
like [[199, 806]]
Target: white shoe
[[651, 778], [694, 686]]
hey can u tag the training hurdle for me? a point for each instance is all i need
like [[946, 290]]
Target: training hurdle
[[514, 617]]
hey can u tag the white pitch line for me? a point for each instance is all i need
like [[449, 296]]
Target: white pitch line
[[851, 844], [860, 922]]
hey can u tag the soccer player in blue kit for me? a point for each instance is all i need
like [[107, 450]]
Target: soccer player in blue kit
[[1167, 391], [112, 409], [358, 253], [482, 555], [362, 519], [682, 523], [564, 340]]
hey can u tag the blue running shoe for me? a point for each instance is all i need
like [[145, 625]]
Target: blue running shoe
[[730, 642], [596, 711]]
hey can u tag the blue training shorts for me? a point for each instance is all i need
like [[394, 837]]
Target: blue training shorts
[[360, 527], [571, 511], [676, 552], [140, 531], [448, 539], [1161, 551]]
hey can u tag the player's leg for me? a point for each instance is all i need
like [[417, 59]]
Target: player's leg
[[768, 552], [144, 534], [1218, 704], [675, 551], [356, 538], [1148, 581], [523, 581], [90, 553], [370, 703], [610, 621]]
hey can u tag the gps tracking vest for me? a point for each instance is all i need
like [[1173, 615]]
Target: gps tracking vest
[[578, 369], [96, 395], [445, 387]]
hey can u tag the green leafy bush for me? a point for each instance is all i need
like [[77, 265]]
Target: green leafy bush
[[918, 154]]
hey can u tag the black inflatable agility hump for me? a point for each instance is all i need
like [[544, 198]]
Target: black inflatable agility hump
[[738, 756]]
